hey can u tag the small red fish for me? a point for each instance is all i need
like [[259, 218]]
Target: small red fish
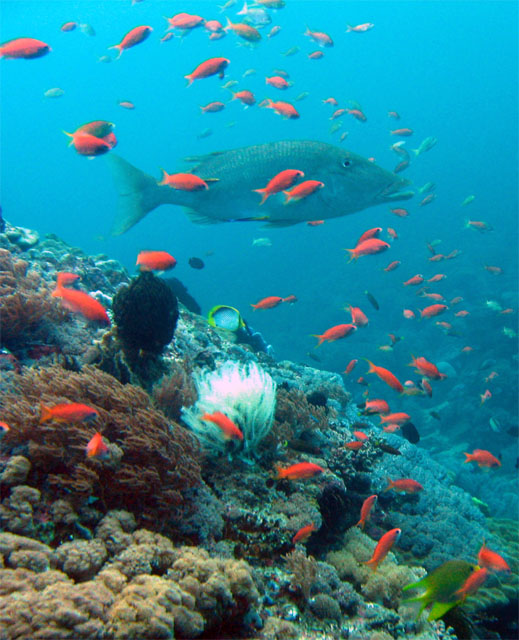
[[479, 225], [483, 458], [302, 190], [358, 115], [433, 310], [386, 376], [280, 182], [408, 314], [27, 48], [383, 547], [68, 26], [284, 109], [391, 428], [491, 560], [427, 200], [485, 396], [398, 418], [299, 471], [183, 181], [229, 430], [456, 300], [358, 317], [335, 333], [67, 412], [80, 302], [4, 428], [462, 314], [402, 132], [304, 533], [365, 510], [417, 279], [497, 271], [213, 107], [360, 28], [360, 435], [291, 299], [126, 104], [392, 233], [370, 233], [267, 303], [278, 82], [472, 584], [64, 278], [401, 213], [243, 30], [426, 368], [315, 223], [368, 247], [185, 21], [375, 406], [355, 445], [437, 258], [155, 261], [208, 68], [393, 114], [404, 485], [316, 55], [322, 39], [88, 145], [133, 37], [245, 97], [331, 101], [96, 448], [350, 366], [337, 114]]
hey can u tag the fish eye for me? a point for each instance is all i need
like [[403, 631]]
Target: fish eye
[[346, 163]]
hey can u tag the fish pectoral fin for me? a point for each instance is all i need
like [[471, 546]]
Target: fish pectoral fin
[[278, 224], [439, 609], [200, 218]]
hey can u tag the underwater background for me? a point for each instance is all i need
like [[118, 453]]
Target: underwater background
[[450, 71]]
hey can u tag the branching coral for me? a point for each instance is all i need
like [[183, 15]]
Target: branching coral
[[175, 390], [25, 301], [245, 394], [303, 569], [151, 462]]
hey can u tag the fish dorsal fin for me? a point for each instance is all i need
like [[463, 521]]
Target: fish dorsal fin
[[199, 218], [439, 609], [204, 157]]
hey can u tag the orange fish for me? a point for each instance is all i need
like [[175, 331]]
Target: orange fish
[[267, 303], [350, 366], [392, 233], [68, 26], [407, 313], [96, 448], [315, 223], [404, 485], [491, 376], [133, 37], [467, 349], [368, 247], [370, 233], [322, 39], [433, 296], [491, 560], [284, 109], [299, 471], [316, 55], [243, 30], [456, 300], [437, 258], [67, 412], [277, 82], [383, 547], [155, 261], [358, 317], [355, 445], [402, 132], [63, 278], [393, 114], [485, 396], [126, 104], [184, 21], [213, 107], [417, 279], [437, 277], [386, 376], [497, 271], [24, 48], [337, 114], [426, 368], [375, 406], [331, 101], [483, 458], [360, 435], [401, 213], [208, 68], [88, 145], [392, 265], [291, 299], [398, 418], [229, 430], [80, 302], [304, 533], [302, 190], [433, 310], [335, 333], [365, 510], [475, 580], [391, 428], [183, 181], [360, 28], [478, 225], [461, 314], [281, 181], [214, 26], [245, 97], [357, 114], [4, 428]]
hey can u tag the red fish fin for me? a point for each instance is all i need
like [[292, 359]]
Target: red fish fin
[[352, 255], [390, 484], [264, 194], [45, 413], [469, 457], [189, 80]]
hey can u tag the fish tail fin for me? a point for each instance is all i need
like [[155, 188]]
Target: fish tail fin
[[45, 413], [288, 197], [264, 194], [319, 337], [138, 194], [229, 24], [279, 471], [352, 255], [119, 49], [71, 136], [189, 80], [361, 524], [390, 484], [372, 563], [371, 366], [349, 28], [469, 457]]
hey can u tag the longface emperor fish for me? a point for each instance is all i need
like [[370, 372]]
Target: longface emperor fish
[[351, 183]]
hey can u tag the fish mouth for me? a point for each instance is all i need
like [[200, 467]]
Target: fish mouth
[[393, 193]]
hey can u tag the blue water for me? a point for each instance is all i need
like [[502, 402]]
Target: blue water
[[450, 70]]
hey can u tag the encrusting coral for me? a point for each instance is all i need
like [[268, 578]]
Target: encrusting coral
[[151, 461]]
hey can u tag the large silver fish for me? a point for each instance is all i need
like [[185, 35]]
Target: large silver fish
[[351, 183]]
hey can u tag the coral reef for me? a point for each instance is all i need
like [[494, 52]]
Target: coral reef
[[151, 461]]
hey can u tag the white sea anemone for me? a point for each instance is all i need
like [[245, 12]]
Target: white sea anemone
[[244, 393]]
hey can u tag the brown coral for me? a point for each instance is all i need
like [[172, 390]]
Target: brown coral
[[176, 390], [25, 301], [159, 459]]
